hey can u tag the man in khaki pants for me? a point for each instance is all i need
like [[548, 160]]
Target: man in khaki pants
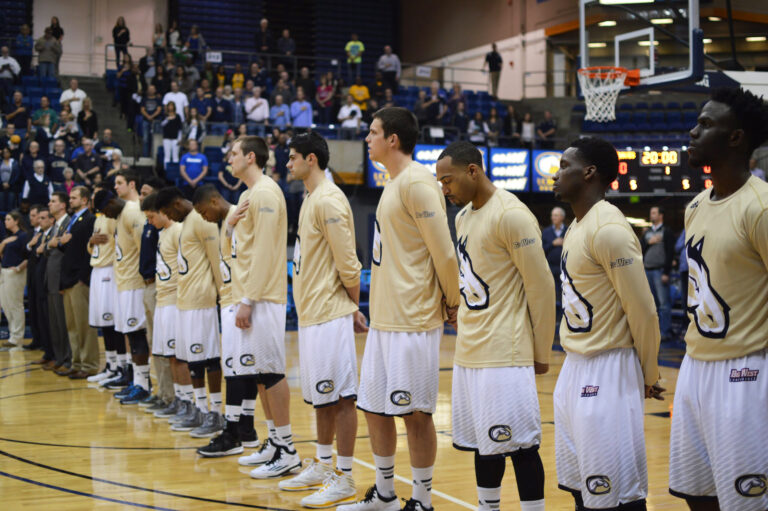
[[75, 282]]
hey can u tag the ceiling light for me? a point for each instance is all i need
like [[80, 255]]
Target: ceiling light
[[715, 18], [707, 41], [662, 21], [608, 23], [647, 43], [756, 39], [597, 45]]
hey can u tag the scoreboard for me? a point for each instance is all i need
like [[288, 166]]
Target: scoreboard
[[651, 172]]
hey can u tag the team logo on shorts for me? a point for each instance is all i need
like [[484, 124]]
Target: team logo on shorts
[[107, 316], [752, 485], [196, 348], [228, 362], [589, 390], [598, 485], [132, 322], [247, 359], [172, 343], [745, 374], [400, 398], [325, 386], [500, 433]]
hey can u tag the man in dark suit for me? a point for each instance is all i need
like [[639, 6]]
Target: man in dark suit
[[32, 259], [658, 244], [552, 241], [40, 304], [57, 322], [74, 284]]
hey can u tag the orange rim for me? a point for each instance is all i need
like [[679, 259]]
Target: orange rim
[[603, 72]]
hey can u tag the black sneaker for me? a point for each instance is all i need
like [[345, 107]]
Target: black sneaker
[[125, 392], [415, 505], [137, 395], [223, 445], [124, 381], [250, 438]]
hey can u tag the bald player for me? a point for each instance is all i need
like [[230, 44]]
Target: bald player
[[197, 322], [414, 274], [506, 323], [719, 440], [611, 338]]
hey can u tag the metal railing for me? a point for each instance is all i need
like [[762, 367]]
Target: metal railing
[[540, 84], [133, 50]]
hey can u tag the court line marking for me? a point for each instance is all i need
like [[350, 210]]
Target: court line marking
[[402, 479], [14, 367], [19, 372]]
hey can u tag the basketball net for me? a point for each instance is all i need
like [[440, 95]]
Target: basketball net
[[600, 86]]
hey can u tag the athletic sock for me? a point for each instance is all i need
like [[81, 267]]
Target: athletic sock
[[111, 357], [385, 475], [324, 453], [124, 360], [200, 399], [232, 414], [216, 402], [344, 464], [177, 390], [136, 374], [532, 505], [284, 437], [488, 499], [248, 408], [271, 429], [143, 376], [187, 393], [422, 485]]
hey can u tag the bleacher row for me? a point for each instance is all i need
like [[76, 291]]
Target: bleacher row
[[33, 89]]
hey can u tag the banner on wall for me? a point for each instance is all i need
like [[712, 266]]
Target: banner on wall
[[544, 167], [510, 169], [426, 154]]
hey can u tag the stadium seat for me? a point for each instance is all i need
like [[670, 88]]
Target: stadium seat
[[689, 105]]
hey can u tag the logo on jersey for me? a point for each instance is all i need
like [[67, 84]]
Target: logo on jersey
[[161, 267], [745, 374], [621, 262], [132, 322], [400, 398], [226, 273], [118, 251], [228, 362], [107, 316], [196, 348], [752, 485], [598, 485], [589, 390], [376, 256], [297, 255], [233, 246], [172, 343], [500, 433], [325, 386], [472, 287], [577, 311], [95, 253], [709, 310], [181, 261], [247, 360]]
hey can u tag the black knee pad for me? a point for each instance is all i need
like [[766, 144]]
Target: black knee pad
[[636, 505], [489, 470], [213, 364], [529, 472], [197, 369], [269, 380], [138, 342]]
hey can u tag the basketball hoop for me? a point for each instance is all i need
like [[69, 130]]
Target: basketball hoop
[[600, 86]]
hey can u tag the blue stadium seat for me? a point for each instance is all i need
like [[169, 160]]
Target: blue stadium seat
[[627, 106], [29, 81], [657, 106], [673, 105], [689, 119], [689, 105], [656, 119], [579, 107], [34, 91], [172, 172], [641, 105]]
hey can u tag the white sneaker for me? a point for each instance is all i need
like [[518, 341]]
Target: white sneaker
[[282, 463], [338, 488], [372, 502], [311, 478], [263, 455], [106, 373]]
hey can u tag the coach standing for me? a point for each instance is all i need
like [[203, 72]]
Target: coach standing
[[59, 334]]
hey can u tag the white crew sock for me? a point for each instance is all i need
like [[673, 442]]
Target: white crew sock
[[324, 453], [422, 485], [187, 393], [200, 399], [284, 437], [385, 475], [488, 499], [532, 505], [344, 464], [111, 357]]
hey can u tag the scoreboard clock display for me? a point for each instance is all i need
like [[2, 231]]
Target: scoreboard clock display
[[665, 172]]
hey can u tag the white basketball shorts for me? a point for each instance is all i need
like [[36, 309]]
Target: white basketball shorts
[[399, 372], [260, 349], [599, 439], [102, 297], [197, 335], [495, 409], [164, 331], [130, 315], [328, 362], [228, 336], [719, 440]]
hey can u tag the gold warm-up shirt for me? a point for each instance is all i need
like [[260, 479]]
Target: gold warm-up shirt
[[259, 245], [225, 262], [130, 225], [198, 262], [324, 257], [166, 265], [726, 242], [103, 255], [507, 305], [414, 262], [607, 302]]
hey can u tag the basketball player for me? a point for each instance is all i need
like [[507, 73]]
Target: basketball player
[[197, 322], [326, 289], [719, 439], [506, 324], [414, 271], [259, 240], [102, 298], [130, 318], [610, 334], [239, 431]]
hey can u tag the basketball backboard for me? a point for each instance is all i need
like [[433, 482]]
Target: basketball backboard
[[661, 39]]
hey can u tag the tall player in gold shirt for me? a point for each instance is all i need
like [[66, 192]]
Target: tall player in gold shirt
[[326, 289], [414, 272], [197, 323], [610, 334], [506, 323], [719, 439]]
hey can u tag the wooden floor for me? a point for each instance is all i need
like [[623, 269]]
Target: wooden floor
[[66, 445]]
